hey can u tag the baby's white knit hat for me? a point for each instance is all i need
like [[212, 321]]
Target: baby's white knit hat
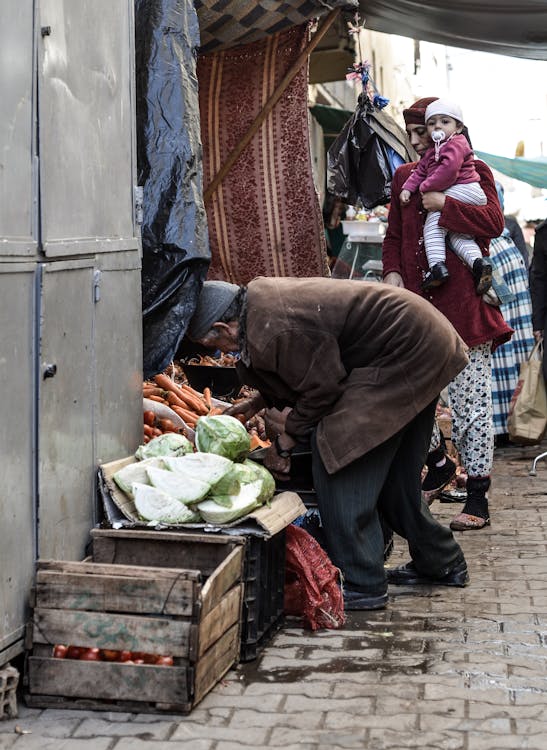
[[444, 107]]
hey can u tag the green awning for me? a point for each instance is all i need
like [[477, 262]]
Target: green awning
[[532, 171], [331, 119]]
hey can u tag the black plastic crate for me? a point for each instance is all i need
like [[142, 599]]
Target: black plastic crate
[[264, 577]]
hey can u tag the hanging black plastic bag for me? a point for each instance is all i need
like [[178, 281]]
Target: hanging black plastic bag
[[361, 161], [175, 244]]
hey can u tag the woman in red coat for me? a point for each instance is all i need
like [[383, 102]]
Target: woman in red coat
[[481, 326]]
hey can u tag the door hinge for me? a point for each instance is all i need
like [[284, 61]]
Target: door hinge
[[96, 286]]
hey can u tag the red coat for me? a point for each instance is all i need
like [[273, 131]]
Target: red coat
[[403, 251]]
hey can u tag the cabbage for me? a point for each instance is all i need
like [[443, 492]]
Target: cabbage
[[154, 505], [136, 472], [241, 504], [208, 467], [169, 444], [183, 488], [223, 435], [262, 473]]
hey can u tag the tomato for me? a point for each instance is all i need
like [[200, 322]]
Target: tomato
[[91, 654], [137, 661], [150, 658], [149, 418], [164, 661], [109, 654], [74, 652], [60, 651], [126, 656]]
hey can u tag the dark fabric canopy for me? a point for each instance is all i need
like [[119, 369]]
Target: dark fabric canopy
[[505, 27]]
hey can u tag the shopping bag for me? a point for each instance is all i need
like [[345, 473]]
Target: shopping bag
[[527, 419]]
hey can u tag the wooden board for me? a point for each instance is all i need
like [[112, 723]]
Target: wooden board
[[171, 549], [220, 619], [214, 664], [157, 592], [155, 635], [71, 678]]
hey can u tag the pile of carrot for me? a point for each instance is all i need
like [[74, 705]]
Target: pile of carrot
[[184, 400]]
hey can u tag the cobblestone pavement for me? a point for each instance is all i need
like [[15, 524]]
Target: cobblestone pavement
[[440, 668]]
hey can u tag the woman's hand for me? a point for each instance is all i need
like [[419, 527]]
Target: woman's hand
[[394, 279], [404, 197], [433, 201]]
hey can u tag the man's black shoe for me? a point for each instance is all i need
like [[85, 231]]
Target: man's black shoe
[[439, 476], [436, 276], [407, 575], [354, 600], [482, 274]]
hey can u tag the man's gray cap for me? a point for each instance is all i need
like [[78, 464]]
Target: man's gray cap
[[215, 298]]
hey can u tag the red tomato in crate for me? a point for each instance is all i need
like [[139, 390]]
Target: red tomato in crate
[[60, 651], [164, 661], [109, 654], [91, 654], [74, 652], [126, 656]]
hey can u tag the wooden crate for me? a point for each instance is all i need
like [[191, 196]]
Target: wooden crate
[[190, 612]]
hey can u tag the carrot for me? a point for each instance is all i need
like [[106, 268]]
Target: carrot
[[214, 411], [193, 398], [257, 442], [189, 417], [167, 425], [147, 392], [149, 418], [207, 397], [174, 400], [148, 430], [158, 399]]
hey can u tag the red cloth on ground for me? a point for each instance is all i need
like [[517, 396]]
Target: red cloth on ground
[[312, 583]]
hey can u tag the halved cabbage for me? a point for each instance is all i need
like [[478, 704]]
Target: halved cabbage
[[185, 489], [136, 472], [154, 505], [241, 504], [168, 444], [207, 467], [262, 473]]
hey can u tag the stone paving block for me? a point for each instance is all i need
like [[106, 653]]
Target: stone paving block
[[489, 696], [191, 732], [480, 711], [389, 740], [7, 740], [509, 742], [43, 724], [388, 689], [38, 742], [389, 706], [405, 722], [301, 720], [300, 641], [297, 703], [282, 736], [493, 725], [134, 743], [316, 689], [214, 700], [158, 730], [298, 746]]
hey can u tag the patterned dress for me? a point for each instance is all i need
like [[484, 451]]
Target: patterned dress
[[508, 261]]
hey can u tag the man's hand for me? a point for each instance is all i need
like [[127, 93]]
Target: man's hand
[[404, 197], [280, 467], [433, 201], [247, 408], [394, 279], [538, 335], [274, 421]]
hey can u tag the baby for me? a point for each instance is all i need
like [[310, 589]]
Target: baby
[[448, 166]]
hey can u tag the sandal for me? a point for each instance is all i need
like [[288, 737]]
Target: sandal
[[467, 522]]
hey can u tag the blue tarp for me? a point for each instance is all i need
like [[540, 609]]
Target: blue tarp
[[532, 171]]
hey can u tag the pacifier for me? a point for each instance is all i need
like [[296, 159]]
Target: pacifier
[[438, 135]]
